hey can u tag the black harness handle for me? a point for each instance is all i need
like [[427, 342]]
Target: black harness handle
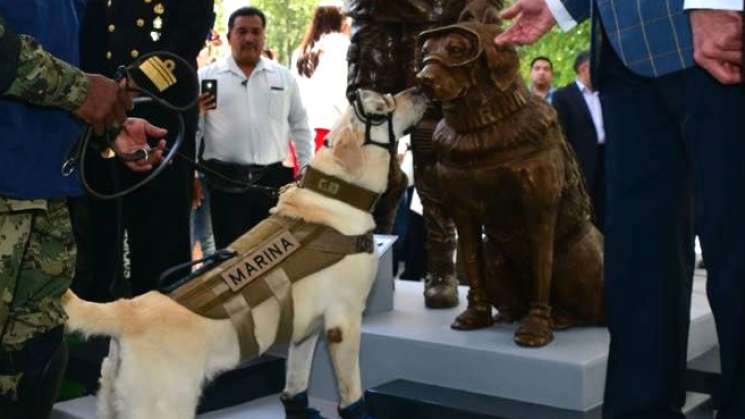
[[209, 262]]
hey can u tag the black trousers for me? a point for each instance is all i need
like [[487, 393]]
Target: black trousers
[[236, 213], [156, 219], [670, 139], [42, 361], [597, 190]]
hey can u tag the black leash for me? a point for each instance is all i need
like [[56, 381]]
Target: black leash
[[271, 192], [77, 155]]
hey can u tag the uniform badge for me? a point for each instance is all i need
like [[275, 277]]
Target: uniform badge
[[158, 23], [155, 35], [159, 9], [160, 72]]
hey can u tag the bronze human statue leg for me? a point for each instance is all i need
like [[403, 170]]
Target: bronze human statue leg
[[441, 284], [374, 63], [382, 57]]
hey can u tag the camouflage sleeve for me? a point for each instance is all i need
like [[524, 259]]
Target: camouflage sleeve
[[42, 79]]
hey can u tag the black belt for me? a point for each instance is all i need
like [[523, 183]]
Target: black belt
[[234, 177], [36, 351]]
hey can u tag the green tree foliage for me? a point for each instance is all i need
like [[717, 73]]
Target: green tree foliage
[[221, 25], [561, 48], [286, 23], [287, 20]]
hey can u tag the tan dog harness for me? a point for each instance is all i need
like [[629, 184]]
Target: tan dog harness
[[271, 257]]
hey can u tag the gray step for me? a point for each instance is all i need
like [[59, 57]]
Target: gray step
[[402, 399], [268, 407], [417, 344]]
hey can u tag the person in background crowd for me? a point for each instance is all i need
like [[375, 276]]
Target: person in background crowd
[[542, 78], [246, 129], [320, 63], [39, 95], [116, 33], [673, 114], [202, 238], [581, 117]]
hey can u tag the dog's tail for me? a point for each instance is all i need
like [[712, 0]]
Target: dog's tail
[[103, 319]]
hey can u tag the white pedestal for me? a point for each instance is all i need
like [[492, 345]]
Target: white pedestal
[[417, 344], [380, 298]]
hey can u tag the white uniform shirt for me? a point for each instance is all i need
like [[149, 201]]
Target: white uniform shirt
[[592, 99], [255, 117]]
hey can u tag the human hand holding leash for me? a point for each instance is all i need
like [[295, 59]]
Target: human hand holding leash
[[106, 105], [532, 19], [717, 43], [133, 138]]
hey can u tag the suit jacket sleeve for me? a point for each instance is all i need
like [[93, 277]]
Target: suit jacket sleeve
[[189, 24], [562, 110]]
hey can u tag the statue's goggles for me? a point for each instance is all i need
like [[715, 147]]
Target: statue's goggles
[[451, 46]]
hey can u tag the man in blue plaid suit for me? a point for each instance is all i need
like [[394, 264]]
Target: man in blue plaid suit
[[667, 71]]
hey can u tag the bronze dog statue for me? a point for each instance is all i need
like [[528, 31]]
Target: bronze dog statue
[[510, 174]]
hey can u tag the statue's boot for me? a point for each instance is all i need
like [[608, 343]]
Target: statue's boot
[[478, 315], [355, 410], [296, 407], [440, 291]]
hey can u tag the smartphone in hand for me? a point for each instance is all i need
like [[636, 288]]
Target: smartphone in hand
[[210, 86]]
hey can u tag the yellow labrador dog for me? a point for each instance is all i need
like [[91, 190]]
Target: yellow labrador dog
[[162, 353]]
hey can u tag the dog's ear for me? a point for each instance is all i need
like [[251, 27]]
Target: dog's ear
[[348, 150], [502, 62], [483, 11], [376, 103]]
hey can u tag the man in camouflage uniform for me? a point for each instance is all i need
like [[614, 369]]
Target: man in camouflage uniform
[[382, 57], [37, 252]]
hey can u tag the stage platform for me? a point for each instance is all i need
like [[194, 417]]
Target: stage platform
[[417, 344]]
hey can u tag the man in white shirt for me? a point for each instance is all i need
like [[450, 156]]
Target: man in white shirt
[[581, 117], [247, 129]]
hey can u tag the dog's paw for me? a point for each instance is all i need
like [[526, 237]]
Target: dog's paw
[[537, 329], [473, 318], [355, 410], [296, 407]]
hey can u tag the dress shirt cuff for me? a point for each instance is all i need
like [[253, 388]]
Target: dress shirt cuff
[[735, 5], [563, 18]]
